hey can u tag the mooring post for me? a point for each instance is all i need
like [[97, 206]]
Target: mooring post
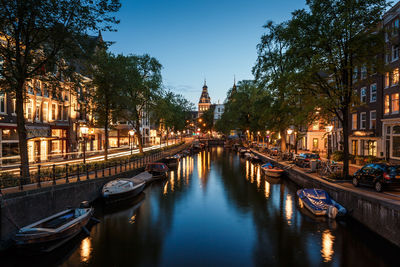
[[54, 174], [66, 174], [38, 176]]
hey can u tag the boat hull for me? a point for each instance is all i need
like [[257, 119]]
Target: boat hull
[[273, 172], [46, 242], [110, 198]]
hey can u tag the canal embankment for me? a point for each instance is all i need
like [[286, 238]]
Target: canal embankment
[[379, 213], [23, 207]]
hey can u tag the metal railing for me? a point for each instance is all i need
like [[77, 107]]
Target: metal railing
[[51, 175]]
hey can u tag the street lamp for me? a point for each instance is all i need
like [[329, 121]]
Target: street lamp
[[131, 139], [329, 129], [84, 131]]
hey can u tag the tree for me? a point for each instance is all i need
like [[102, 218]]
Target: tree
[[330, 41], [108, 74], [38, 34], [207, 119], [138, 95]]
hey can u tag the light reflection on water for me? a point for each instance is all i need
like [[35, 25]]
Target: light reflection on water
[[217, 209]]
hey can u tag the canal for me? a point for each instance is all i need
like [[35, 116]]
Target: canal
[[217, 209]]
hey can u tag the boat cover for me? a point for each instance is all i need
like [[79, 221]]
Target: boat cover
[[319, 200]]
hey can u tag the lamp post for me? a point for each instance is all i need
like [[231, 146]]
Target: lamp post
[[329, 129], [84, 131], [131, 139]]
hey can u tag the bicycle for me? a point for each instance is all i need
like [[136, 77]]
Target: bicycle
[[328, 168]]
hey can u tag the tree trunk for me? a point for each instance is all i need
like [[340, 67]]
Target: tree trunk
[[346, 151], [139, 135], [167, 136], [283, 140], [22, 135]]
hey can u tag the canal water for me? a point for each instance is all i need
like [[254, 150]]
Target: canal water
[[217, 209]]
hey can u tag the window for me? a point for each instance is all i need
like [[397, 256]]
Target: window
[[372, 93], [372, 148], [14, 106], [395, 52], [2, 102], [315, 126], [387, 58], [53, 112], [363, 95], [354, 121], [59, 113], [387, 104], [45, 111], [29, 107], [45, 90], [315, 143], [372, 119], [395, 78], [395, 27], [65, 113], [30, 89], [363, 72], [363, 120], [387, 79], [38, 89], [355, 75], [395, 103], [37, 111]]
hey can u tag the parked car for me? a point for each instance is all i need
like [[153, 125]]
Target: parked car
[[378, 175], [303, 159]]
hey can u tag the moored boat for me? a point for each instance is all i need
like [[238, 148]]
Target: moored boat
[[172, 162], [271, 171], [320, 203], [157, 169], [121, 189], [49, 233]]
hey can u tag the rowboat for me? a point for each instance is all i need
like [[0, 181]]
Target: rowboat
[[320, 203], [172, 162], [157, 169], [51, 232], [121, 189], [271, 171]]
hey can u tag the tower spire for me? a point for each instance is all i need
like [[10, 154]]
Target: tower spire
[[205, 82]]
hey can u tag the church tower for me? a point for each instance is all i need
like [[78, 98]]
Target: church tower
[[205, 100]]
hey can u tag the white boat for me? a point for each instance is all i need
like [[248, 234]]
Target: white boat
[[121, 189], [51, 232]]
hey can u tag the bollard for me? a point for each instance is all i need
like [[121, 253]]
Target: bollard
[[103, 165], [38, 177], [78, 175], [21, 187], [87, 172], [66, 174], [95, 170], [109, 169], [54, 174], [120, 166], [116, 167], [125, 164]]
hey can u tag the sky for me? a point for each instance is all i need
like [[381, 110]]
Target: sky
[[198, 39]]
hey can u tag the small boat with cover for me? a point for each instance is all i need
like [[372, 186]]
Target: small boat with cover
[[173, 161], [157, 169], [271, 171], [49, 233], [320, 203]]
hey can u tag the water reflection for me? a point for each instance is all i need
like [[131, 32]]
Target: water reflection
[[289, 209], [266, 189], [86, 249], [327, 245]]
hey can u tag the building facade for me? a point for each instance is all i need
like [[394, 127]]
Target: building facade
[[205, 100]]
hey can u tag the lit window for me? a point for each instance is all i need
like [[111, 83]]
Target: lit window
[[372, 93], [30, 89], [395, 79], [372, 119], [387, 104], [29, 107], [363, 120], [395, 103], [315, 126], [354, 121], [14, 106], [45, 111], [387, 79], [363, 94]]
